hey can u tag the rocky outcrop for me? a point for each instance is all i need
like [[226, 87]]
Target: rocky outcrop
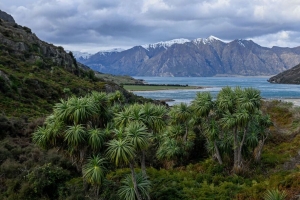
[[16, 40], [208, 57], [6, 17], [291, 76]]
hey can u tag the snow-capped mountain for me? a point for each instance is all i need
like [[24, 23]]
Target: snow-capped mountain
[[208, 40], [165, 44], [199, 57], [109, 51], [81, 55]]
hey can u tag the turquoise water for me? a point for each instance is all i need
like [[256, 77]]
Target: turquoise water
[[215, 84]]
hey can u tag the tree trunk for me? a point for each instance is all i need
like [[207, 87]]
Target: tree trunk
[[97, 191], [186, 134], [258, 150], [240, 147], [218, 153], [143, 164], [138, 196], [235, 150]]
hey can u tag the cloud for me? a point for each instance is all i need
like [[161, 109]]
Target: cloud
[[281, 39], [119, 23]]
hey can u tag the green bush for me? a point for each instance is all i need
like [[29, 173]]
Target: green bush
[[48, 180]]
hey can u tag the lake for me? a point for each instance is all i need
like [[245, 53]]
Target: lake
[[215, 84]]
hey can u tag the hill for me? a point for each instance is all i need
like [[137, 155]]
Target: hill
[[291, 76], [198, 57], [34, 74]]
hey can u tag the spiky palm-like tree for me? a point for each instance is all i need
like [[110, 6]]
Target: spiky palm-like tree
[[136, 112], [122, 152], [154, 117], [96, 138], [137, 134], [203, 104], [212, 132], [127, 192], [75, 110], [168, 151], [41, 137], [75, 127], [94, 171], [238, 107], [181, 114], [75, 136], [123, 118], [116, 97], [264, 122]]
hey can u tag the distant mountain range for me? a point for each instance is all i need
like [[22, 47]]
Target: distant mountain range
[[198, 57]]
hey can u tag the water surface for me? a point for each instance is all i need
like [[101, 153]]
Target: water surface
[[215, 84]]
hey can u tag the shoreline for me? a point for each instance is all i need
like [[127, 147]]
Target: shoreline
[[164, 89], [295, 101]]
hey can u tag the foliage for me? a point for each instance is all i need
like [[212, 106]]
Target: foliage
[[274, 195], [47, 180], [126, 190]]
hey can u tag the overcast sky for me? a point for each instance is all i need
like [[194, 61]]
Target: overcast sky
[[94, 25]]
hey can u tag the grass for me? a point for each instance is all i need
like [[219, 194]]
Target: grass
[[158, 87]]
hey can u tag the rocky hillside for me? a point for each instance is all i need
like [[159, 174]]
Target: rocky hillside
[[34, 74], [6, 17], [199, 57], [291, 76]]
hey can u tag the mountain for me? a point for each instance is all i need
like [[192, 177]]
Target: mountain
[[80, 55], [198, 57], [291, 76]]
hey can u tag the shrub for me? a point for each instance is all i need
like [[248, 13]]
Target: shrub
[[46, 180], [28, 30]]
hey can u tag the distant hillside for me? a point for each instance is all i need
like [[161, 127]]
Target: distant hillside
[[199, 57], [291, 76]]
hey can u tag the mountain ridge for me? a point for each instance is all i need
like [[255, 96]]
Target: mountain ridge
[[198, 57]]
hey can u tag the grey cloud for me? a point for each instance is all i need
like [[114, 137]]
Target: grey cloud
[[115, 23]]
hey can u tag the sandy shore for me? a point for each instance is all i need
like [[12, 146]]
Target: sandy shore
[[296, 102]]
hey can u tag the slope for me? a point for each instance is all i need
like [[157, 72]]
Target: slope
[[291, 76]]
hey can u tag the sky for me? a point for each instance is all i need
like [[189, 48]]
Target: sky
[[96, 25]]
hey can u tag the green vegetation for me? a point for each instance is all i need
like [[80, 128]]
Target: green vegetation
[[191, 149], [111, 145], [275, 195]]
